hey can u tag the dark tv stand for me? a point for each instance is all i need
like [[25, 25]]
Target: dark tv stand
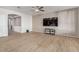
[[49, 31]]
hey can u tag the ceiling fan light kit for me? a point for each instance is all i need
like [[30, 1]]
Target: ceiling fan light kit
[[38, 8]]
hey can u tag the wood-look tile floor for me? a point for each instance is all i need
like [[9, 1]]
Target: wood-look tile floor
[[38, 42]]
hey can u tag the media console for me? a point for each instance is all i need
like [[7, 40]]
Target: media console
[[49, 31]]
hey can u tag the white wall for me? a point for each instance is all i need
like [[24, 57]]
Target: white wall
[[3, 26], [25, 21]]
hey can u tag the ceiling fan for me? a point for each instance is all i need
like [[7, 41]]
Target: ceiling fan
[[38, 8]]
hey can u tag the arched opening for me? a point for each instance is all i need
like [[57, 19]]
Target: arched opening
[[14, 23]]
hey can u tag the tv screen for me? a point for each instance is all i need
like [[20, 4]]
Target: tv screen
[[50, 21]]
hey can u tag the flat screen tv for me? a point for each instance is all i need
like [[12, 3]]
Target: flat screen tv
[[50, 21]]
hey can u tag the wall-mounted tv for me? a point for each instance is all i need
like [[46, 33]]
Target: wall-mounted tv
[[50, 21]]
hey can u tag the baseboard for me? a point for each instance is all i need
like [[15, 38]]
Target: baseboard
[[3, 35]]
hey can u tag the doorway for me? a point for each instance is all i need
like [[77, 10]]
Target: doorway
[[14, 23]]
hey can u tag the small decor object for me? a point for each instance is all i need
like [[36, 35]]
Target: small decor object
[[27, 30]]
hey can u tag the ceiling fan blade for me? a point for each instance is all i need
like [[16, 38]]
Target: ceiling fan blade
[[41, 7]]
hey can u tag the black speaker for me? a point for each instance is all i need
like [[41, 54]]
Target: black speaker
[[27, 31]]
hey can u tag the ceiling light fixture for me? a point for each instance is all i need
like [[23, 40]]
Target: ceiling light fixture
[[36, 10]]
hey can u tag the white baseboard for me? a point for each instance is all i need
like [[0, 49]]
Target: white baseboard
[[3, 35]]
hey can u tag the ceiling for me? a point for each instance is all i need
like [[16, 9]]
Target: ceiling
[[29, 10]]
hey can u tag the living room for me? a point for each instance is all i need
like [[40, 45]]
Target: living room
[[39, 28]]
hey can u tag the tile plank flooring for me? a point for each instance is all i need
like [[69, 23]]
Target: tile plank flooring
[[38, 42]]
